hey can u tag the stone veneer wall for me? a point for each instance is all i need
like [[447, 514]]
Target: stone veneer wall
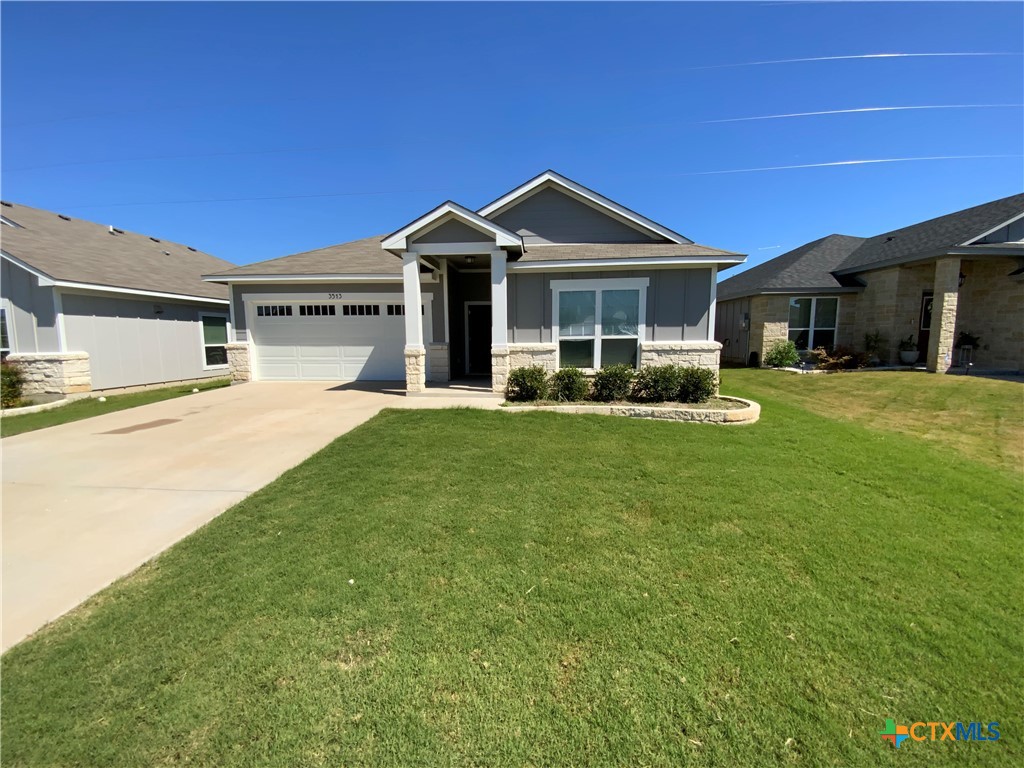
[[992, 307], [239, 361], [54, 373], [693, 354], [769, 322], [944, 306], [500, 367], [524, 355], [438, 367], [415, 369]]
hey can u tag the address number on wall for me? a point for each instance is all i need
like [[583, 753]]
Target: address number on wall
[[335, 296]]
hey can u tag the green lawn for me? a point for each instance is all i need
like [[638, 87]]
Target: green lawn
[[542, 589], [89, 407]]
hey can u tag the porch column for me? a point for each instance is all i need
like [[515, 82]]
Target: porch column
[[499, 321], [944, 303], [415, 352]]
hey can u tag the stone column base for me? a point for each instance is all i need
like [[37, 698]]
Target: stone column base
[[437, 362], [499, 369], [239, 361], [415, 369], [54, 373]]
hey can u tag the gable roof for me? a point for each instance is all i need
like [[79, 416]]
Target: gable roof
[[595, 199], [67, 250], [934, 237], [398, 239], [359, 257], [807, 268]]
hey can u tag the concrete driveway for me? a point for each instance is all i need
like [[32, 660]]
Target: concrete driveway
[[88, 502]]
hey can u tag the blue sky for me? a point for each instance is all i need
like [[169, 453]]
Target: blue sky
[[356, 118]]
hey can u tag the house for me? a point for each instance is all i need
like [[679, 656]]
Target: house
[[87, 307], [551, 273], [962, 273]]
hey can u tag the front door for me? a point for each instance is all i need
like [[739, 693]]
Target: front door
[[925, 326], [478, 338]]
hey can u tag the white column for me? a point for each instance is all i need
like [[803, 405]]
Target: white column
[[499, 300], [413, 301]]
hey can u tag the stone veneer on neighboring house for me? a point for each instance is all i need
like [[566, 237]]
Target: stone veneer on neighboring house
[[54, 373], [769, 322]]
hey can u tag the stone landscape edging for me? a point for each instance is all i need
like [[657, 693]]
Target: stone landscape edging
[[750, 413]]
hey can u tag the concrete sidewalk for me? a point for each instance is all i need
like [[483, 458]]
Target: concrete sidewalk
[[88, 502]]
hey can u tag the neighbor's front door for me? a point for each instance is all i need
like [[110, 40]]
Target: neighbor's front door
[[925, 326], [478, 339]]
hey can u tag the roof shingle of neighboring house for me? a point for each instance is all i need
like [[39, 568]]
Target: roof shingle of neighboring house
[[933, 237], [72, 250], [807, 268]]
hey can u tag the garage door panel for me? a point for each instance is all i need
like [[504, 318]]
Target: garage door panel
[[330, 347]]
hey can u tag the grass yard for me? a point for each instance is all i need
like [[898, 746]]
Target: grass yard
[[91, 406], [542, 589]]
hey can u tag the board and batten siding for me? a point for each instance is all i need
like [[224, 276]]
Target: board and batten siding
[[129, 344], [32, 313], [319, 291], [551, 216], [678, 301]]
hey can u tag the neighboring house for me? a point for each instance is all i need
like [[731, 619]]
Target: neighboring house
[[960, 273], [551, 273], [89, 307]]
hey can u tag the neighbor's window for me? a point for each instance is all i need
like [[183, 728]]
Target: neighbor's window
[[585, 342], [5, 342], [812, 322], [215, 337]]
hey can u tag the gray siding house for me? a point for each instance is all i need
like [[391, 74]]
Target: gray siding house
[[86, 307], [551, 273]]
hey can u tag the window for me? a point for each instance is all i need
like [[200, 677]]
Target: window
[[215, 337], [274, 310], [5, 341], [598, 324], [812, 322], [316, 310], [396, 309], [352, 310]]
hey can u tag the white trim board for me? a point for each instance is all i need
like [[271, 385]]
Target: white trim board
[[652, 262], [585, 195], [321, 278], [398, 241]]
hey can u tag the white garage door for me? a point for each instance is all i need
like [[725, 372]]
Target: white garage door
[[329, 342]]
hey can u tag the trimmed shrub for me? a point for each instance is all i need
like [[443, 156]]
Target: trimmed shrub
[[839, 359], [781, 354], [12, 380], [657, 384], [568, 385], [613, 383], [698, 385], [525, 384]]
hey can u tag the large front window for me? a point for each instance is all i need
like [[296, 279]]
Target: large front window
[[812, 322], [598, 324]]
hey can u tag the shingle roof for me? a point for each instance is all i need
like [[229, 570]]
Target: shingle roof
[[933, 237], [359, 257], [807, 268], [583, 251], [84, 252]]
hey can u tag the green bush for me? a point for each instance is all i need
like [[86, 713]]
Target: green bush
[[698, 385], [657, 384], [525, 384], [613, 383], [568, 385], [12, 380], [781, 354]]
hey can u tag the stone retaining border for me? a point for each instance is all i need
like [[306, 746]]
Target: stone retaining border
[[34, 408], [746, 415]]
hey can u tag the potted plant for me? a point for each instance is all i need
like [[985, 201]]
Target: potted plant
[[873, 346], [908, 350], [967, 339]]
